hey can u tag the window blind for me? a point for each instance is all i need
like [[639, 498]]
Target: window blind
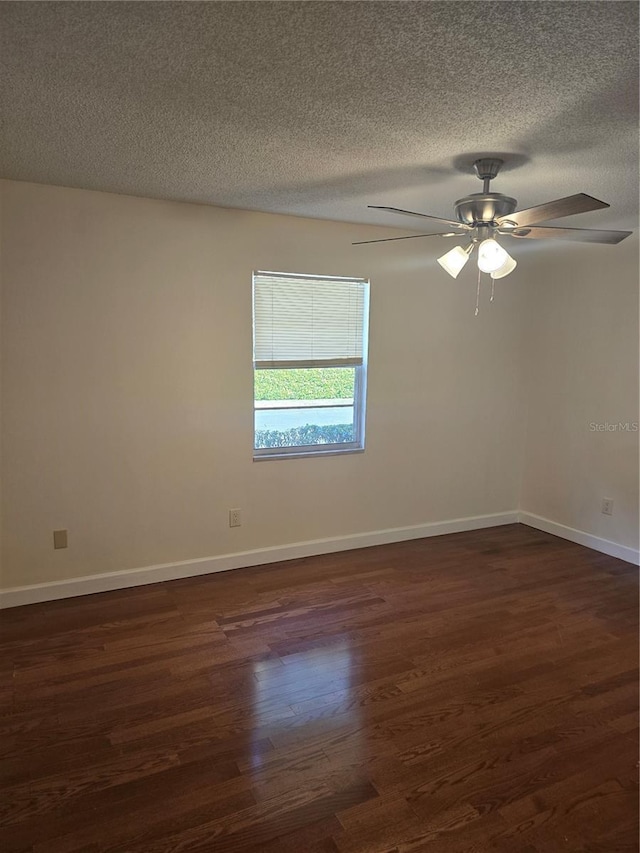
[[310, 320]]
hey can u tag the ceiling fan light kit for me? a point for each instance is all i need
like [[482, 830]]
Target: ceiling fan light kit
[[455, 259], [481, 217], [491, 256], [508, 267]]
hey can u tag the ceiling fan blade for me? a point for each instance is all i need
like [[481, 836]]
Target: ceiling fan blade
[[450, 222], [410, 237], [579, 203], [583, 235]]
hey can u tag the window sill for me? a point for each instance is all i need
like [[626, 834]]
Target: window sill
[[306, 453]]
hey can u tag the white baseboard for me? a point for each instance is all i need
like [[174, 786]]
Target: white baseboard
[[606, 546], [17, 596]]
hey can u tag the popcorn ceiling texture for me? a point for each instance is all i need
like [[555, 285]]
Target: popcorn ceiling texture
[[320, 108]]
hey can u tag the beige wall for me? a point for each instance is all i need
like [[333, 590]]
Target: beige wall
[[127, 386], [2, 188], [581, 368]]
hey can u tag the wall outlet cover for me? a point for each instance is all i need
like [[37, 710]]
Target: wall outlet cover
[[59, 539]]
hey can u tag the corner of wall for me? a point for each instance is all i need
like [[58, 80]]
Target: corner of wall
[[2, 187], [580, 371]]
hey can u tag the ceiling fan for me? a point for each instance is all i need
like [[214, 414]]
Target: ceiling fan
[[481, 217]]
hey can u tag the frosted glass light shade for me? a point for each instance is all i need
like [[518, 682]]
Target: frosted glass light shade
[[491, 256], [508, 266], [455, 260]]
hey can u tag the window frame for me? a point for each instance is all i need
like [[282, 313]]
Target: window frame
[[359, 386]]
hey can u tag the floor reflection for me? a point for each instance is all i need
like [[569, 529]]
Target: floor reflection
[[305, 693]]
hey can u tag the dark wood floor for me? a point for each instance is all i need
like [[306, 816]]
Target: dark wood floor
[[473, 692]]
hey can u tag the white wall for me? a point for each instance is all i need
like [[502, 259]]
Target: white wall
[[581, 368], [127, 386]]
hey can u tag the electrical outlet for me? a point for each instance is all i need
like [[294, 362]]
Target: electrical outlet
[[59, 539], [235, 519], [607, 506]]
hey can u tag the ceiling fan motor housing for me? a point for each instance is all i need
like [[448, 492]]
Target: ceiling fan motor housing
[[484, 208]]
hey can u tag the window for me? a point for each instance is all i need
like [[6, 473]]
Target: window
[[309, 358]]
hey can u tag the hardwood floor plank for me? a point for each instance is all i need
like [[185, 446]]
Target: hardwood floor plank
[[263, 822]]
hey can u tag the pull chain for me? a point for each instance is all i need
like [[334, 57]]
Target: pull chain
[[493, 287], [478, 294]]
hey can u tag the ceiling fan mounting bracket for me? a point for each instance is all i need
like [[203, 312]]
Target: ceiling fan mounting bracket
[[488, 167]]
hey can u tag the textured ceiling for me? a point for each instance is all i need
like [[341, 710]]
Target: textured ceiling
[[320, 108]]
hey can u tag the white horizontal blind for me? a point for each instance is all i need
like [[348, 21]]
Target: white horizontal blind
[[311, 320]]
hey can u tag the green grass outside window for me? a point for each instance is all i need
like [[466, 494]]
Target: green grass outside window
[[313, 383]]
